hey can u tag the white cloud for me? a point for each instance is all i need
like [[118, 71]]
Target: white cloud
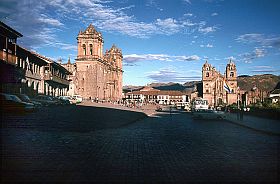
[[265, 71], [206, 30], [104, 17], [230, 58], [263, 67], [208, 45], [172, 74], [50, 21], [260, 39], [214, 14], [168, 26], [257, 53], [153, 4], [133, 58], [188, 1], [188, 14]]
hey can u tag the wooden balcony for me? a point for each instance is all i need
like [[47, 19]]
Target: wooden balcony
[[9, 58], [54, 78]]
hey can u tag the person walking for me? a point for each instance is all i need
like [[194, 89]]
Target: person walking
[[241, 114], [238, 114]]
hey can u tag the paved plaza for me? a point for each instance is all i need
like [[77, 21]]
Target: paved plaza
[[94, 143]]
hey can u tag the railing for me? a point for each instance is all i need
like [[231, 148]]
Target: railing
[[54, 78], [9, 58]]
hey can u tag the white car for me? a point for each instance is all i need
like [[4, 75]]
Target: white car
[[208, 114], [78, 98], [69, 98]]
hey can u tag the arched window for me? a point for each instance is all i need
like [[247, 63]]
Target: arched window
[[84, 49], [207, 91], [207, 74], [90, 49], [231, 74]]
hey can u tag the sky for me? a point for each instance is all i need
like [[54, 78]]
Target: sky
[[161, 40]]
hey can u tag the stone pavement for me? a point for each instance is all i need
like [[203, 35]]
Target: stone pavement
[[148, 109], [264, 125], [97, 144]]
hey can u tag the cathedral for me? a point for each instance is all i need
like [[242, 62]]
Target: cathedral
[[94, 74], [219, 89]]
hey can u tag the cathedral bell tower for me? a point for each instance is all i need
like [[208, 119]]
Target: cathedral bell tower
[[207, 71], [90, 70], [90, 44], [207, 77], [231, 78]]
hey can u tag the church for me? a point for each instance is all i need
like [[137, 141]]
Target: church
[[220, 89], [94, 74]]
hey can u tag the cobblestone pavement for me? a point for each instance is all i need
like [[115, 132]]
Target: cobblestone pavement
[[84, 144]]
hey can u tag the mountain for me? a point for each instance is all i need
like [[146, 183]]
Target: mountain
[[266, 82], [131, 88]]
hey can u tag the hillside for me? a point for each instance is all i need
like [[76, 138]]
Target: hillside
[[265, 82]]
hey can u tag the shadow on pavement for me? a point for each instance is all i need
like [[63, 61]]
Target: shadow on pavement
[[72, 119]]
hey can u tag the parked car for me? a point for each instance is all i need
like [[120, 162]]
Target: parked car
[[45, 100], [12, 103], [62, 101], [78, 98], [59, 101], [25, 98], [68, 98], [166, 108], [208, 114]]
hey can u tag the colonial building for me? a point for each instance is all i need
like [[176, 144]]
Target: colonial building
[[24, 71], [219, 89], [253, 96], [149, 94], [96, 75]]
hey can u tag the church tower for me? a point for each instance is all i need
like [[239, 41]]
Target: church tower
[[207, 77], [114, 73], [90, 43], [90, 69], [97, 75], [231, 78]]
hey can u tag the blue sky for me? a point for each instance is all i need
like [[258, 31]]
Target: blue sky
[[161, 40]]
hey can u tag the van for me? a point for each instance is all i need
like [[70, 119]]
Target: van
[[78, 98]]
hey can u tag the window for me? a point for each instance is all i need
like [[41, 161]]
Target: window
[[84, 49], [231, 74], [207, 74], [90, 49], [207, 91]]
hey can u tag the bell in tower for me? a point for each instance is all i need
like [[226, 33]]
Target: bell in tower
[[207, 70], [90, 44], [231, 71]]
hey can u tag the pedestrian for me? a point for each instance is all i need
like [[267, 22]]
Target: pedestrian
[[241, 114], [238, 114]]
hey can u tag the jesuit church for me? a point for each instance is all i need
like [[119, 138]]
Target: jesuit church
[[219, 89], [94, 74]]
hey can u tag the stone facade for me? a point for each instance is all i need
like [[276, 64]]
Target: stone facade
[[213, 85], [96, 75]]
